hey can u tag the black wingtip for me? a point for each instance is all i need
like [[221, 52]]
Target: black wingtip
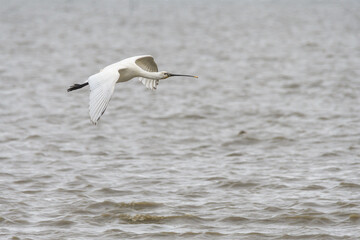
[[77, 86]]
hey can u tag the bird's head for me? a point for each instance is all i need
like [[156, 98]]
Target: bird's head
[[165, 75]]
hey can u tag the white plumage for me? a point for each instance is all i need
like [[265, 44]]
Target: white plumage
[[102, 84]]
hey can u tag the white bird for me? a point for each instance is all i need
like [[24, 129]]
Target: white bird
[[102, 84]]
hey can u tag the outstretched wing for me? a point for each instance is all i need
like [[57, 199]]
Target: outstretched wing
[[149, 83], [147, 63], [102, 86]]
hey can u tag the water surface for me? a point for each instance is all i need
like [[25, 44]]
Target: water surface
[[264, 145]]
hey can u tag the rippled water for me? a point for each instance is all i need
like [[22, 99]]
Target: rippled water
[[264, 145]]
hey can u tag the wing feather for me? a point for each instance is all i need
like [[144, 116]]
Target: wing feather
[[102, 87], [147, 63]]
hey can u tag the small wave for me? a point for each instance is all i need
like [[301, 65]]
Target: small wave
[[9, 139], [275, 186], [243, 141], [167, 235], [355, 217], [4, 174], [301, 219], [57, 223], [147, 218], [180, 116], [110, 191], [291, 85], [7, 221], [99, 138], [330, 154], [100, 153], [193, 116], [333, 169], [349, 185], [234, 219], [311, 205], [216, 179], [203, 235], [200, 147], [31, 191], [310, 44], [285, 77], [140, 205], [346, 204], [281, 140], [273, 209], [297, 114], [132, 205], [313, 187], [24, 181], [72, 152], [237, 184], [312, 236], [33, 137], [235, 154], [257, 235]]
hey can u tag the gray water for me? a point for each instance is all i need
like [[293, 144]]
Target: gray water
[[265, 144]]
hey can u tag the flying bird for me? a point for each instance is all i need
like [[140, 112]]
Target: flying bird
[[102, 84]]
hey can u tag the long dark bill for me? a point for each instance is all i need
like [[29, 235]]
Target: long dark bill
[[183, 75]]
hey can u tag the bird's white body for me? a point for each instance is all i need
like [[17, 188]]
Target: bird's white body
[[130, 69], [102, 84]]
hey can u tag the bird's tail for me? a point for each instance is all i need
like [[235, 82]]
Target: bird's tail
[[77, 86]]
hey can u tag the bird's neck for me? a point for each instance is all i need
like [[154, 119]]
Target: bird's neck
[[152, 75]]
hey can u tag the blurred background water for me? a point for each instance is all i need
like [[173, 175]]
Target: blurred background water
[[264, 145]]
